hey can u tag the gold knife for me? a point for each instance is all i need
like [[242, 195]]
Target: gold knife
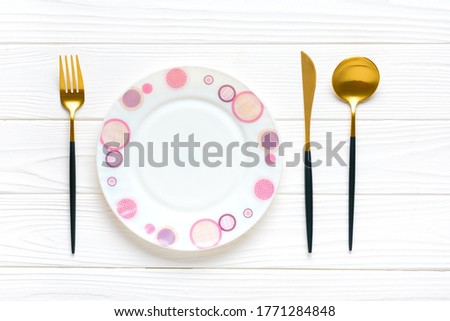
[[309, 87]]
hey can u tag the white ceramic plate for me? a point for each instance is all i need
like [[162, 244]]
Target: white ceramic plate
[[192, 207]]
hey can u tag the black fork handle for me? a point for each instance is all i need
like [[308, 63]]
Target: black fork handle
[[72, 179]]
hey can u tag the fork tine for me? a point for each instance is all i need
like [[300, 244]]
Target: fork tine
[[74, 82], [62, 81], [79, 76], [69, 83]]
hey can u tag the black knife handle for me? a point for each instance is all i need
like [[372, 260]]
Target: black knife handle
[[308, 199], [351, 191]]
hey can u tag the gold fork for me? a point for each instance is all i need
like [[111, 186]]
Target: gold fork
[[71, 92]]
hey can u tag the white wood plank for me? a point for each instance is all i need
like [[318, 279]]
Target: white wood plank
[[393, 157], [199, 21], [237, 285], [391, 232], [413, 78]]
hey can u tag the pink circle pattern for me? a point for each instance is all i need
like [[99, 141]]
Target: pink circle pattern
[[247, 107], [270, 159], [205, 233], [208, 79], [115, 131], [112, 181], [126, 208], [248, 213], [227, 93], [147, 88], [150, 228], [176, 78], [227, 222], [264, 189]]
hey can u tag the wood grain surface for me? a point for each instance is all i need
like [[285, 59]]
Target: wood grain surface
[[151, 285], [402, 239]]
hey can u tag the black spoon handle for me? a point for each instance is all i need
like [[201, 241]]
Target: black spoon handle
[[351, 191], [73, 185], [308, 199]]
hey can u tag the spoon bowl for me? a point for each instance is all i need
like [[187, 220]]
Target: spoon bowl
[[355, 79]]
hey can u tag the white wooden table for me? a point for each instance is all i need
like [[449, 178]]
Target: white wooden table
[[402, 228]]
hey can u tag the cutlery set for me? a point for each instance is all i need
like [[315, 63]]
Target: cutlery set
[[354, 80]]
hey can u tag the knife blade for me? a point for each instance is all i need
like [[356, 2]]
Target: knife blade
[[309, 88]]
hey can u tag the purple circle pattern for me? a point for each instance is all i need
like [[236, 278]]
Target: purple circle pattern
[[269, 140], [227, 93], [166, 237], [227, 222], [132, 98], [114, 159]]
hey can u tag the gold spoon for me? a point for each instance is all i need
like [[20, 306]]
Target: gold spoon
[[354, 80]]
